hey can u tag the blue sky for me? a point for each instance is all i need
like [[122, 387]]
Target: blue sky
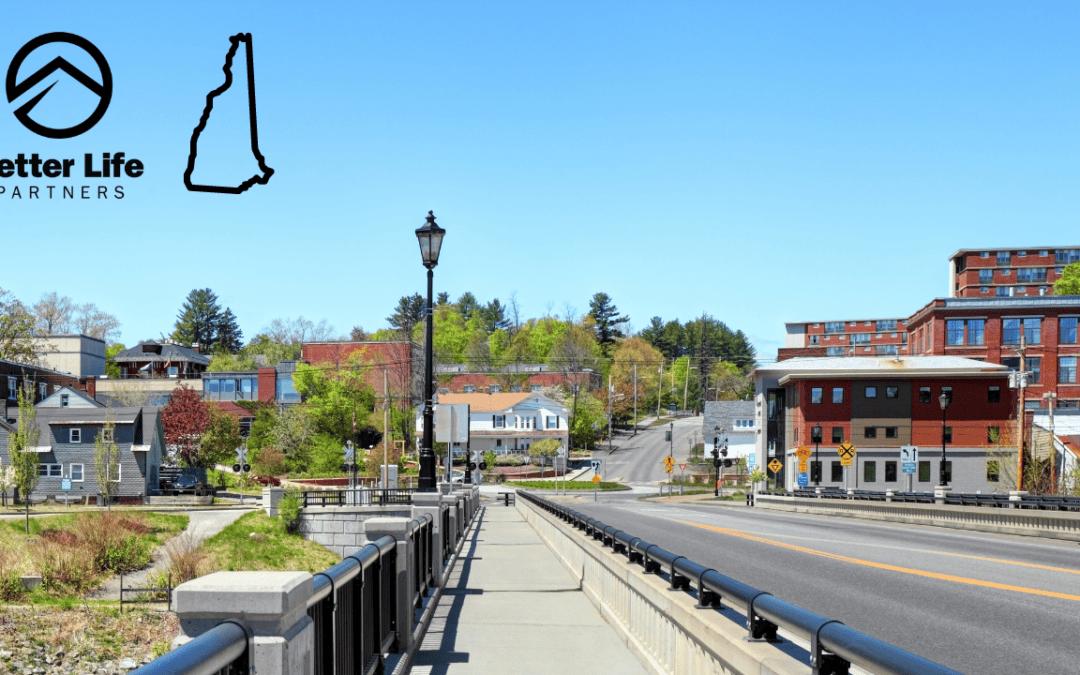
[[761, 162]]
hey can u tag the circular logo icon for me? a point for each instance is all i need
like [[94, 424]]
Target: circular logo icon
[[15, 89]]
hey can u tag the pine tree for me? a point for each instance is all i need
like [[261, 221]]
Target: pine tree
[[198, 319], [493, 316], [409, 312], [467, 304], [607, 320], [228, 336]]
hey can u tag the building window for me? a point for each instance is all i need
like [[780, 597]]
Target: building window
[[1002, 291], [551, 422], [870, 391], [984, 254], [1010, 331], [1003, 258], [976, 331], [64, 400], [948, 434], [1067, 330], [12, 388], [835, 351], [1033, 330], [108, 435], [892, 391], [75, 435], [885, 325], [924, 471], [890, 432], [890, 472], [469, 389], [75, 472], [986, 276], [444, 390], [837, 471], [860, 338], [993, 394], [1067, 369], [815, 395], [114, 476], [1034, 366], [993, 434], [50, 470], [814, 339], [838, 434], [535, 388], [924, 394], [498, 421], [954, 332], [837, 394], [993, 471], [870, 432], [985, 290], [834, 326], [869, 472], [494, 389]]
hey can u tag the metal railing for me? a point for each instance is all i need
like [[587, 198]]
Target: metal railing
[[994, 500], [222, 650], [357, 497], [448, 544], [834, 647], [353, 607], [422, 563]]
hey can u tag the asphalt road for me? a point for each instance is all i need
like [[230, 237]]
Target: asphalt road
[[640, 459], [976, 602]]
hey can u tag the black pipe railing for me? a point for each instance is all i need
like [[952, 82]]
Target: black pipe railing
[[834, 647], [357, 497], [993, 500], [222, 650]]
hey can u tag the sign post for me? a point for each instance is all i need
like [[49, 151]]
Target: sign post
[[909, 460], [595, 485], [847, 457]]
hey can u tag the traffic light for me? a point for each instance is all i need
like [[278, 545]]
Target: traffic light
[[716, 447], [369, 437], [483, 466], [727, 463], [472, 466], [723, 453]]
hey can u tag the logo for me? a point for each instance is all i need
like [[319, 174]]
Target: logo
[[15, 89]]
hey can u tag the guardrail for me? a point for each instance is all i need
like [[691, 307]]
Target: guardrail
[[834, 647], [222, 650], [993, 500], [357, 497]]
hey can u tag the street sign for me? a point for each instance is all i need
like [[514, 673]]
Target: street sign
[[682, 467], [847, 453], [751, 461], [909, 458], [596, 478], [65, 484], [804, 465], [803, 453], [669, 464], [804, 479], [775, 465]]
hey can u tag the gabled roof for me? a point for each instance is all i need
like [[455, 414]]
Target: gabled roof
[[71, 392], [492, 402], [88, 415], [160, 352]]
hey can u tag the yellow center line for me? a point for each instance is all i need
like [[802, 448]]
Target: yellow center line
[[968, 581]]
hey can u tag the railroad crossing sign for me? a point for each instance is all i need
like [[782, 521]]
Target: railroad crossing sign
[[847, 453], [909, 458], [775, 465], [669, 464]]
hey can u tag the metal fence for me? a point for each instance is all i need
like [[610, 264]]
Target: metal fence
[[357, 497], [422, 563], [993, 500], [222, 650], [834, 647]]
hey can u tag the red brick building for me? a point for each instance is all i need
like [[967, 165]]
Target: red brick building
[[461, 379], [1008, 272], [401, 361], [863, 337]]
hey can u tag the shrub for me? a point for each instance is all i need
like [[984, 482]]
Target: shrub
[[187, 560], [269, 462], [11, 587], [63, 568], [510, 460], [289, 511]]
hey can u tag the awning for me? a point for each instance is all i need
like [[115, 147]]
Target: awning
[[140, 448]]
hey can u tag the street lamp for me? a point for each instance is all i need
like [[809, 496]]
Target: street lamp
[[944, 400], [815, 436], [430, 236]]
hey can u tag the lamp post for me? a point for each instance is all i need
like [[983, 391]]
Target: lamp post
[[815, 436], [430, 236], [944, 400]]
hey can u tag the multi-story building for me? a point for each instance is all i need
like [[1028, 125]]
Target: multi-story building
[[880, 404], [80, 355], [996, 330], [401, 362], [149, 372], [513, 378], [1008, 272], [863, 337]]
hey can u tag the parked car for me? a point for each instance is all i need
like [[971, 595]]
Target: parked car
[[190, 481], [457, 477]]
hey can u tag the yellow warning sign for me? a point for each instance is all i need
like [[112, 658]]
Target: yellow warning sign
[[669, 464], [803, 453], [847, 453], [596, 478], [775, 465], [804, 466]]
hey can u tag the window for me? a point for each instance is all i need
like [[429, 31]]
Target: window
[[1067, 369], [892, 391], [172, 371], [75, 472], [924, 471], [75, 435], [469, 389], [835, 351], [814, 339], [744, 424], [834, 326], [860, 338], [870, 432], [954, 332], [551, 422], [869, 471], [535, 388], [213, 389], [114, 472], [890, 472], [1010, 331], [890, 432], [64, 400], [924, 394], [498, 421], [993, 394], [1034, 366], [870, 391], [108, 435], [444, 390], [43, 390], [1066, 256], [1002, 291], [1067, 330], [948, 434], [50, 470], [885, 325], [285, 390], [993, 434], [837, 394], [12, 388], [1033, 330], [838, 434], [1003, 258], [993, 471], [837, 471], [976, 331], [984, 254], [986, 276], [815, 395], [984, 290]]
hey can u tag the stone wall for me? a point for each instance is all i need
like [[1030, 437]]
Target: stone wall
[[341, 528]]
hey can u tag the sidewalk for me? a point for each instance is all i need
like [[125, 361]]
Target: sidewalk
[[512, 607]]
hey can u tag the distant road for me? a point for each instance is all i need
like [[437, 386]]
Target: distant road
[[980, 603], [640, 459]]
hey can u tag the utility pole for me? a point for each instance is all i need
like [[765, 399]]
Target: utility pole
[[1021, 384], [385, 430], [686, 385], [635, 398], [610, 395], [660, 388], [1052, 397]]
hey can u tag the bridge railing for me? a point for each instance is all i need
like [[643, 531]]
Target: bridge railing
[[222, 650], [834, 647], [357, 497], [993, 500]]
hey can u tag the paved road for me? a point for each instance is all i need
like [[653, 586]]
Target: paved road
[[639, 459], [979, 603]]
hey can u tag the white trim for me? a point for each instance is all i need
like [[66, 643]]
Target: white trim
[[140, 448], [48, 472], [40, 448], [72, 433], [82, 472]]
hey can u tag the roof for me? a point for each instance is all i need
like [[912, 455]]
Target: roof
[[69, 335], [965, 251], [69, 391], [1019, 304], [87, 415], [845, 321], [43, 369], [879, 366], [489, 402], [723, 414], [168, 352]]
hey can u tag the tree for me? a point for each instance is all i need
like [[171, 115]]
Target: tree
[[228, 336], [408, 313], [220, 440], [493, 316], [574, 350], [198, 320], [16, 330], [467, 305], [23, 448], [338, 401], [607, 320], [588, 417], [545, 449], [443, 298], [728, 382], [89, 320], [112, 368], [106, 459], [632, 352], [358, 334], [185, 418], [1069, 281], [292, 434], [53, 314]]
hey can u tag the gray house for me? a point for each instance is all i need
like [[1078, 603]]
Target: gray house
[[733, 420], [66, 397], [65, 449]]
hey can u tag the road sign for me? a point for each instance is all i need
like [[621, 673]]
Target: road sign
[[751, 461], [804, 479], [669, 464], [596, 478], [847, 453], [804, 466], [803, 453], [65, 484], [909, 458], [682, 467], [775, 465]]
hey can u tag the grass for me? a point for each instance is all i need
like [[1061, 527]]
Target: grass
[[271, 547], [603, 486]]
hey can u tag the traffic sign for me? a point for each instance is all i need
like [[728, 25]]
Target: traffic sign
[[669, 464], [804, 479], [909, 458], [775, 465], [751, 461], [65, 484], [803, 453], [596, 478], [804, 465], [847, 453]]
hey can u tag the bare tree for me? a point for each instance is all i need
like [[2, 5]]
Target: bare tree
[[298, 330], [16, 330], [53, 314], [89, 320], [514, 310]]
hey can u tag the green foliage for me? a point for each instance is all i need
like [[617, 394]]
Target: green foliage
[[1069, 281], [607, 321], [21, 444], [220, 440], [327, 455], [198, 319], [289, 510], [16, 330], [106, 458], [258, 542], [112, 368], [588, 420], [490, 458], [547, 447], [338, 401], [224, 362]]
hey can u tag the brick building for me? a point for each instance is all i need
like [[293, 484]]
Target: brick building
[[402, 361], [42, 381], [516, 377], [863, 337], [1008, 272]]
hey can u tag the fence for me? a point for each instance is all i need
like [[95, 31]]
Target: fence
[[834, 647], [357, 497], [222, 650], [1022, 501]]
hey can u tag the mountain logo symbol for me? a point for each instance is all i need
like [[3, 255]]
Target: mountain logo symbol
[[15, 89]]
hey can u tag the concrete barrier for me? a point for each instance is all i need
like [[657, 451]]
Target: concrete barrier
[[663, 626], [1048, 524]]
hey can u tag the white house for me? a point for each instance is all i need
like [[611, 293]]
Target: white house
[[733, 420], [510, 422], [66, 397]]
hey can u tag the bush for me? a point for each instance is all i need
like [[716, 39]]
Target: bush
[[510, 460], [187, 560], [63, 568], [269, 462], [11, 587], [289, 511]]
